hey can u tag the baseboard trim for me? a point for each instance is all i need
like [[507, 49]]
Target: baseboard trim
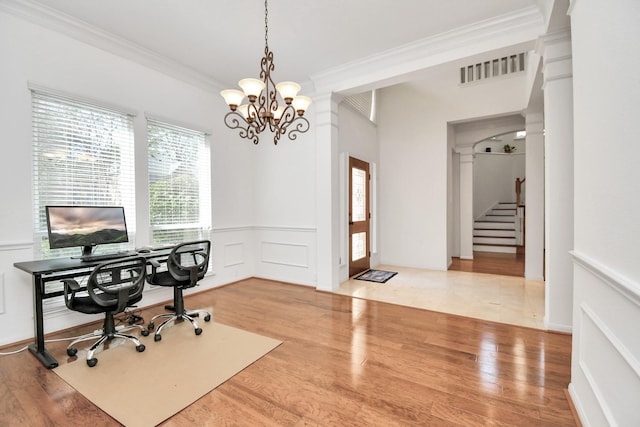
[[574, 411]]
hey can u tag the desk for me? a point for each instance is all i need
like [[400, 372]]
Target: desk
[[56, 269]]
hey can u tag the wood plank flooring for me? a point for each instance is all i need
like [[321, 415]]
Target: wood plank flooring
[[343, 362], [491, 263]]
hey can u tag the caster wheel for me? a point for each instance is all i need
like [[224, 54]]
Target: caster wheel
[[151, 326], [140, 348], [145, 332], [207, 317], [72, 351], [198, 331], [92, 362], [157, 337]]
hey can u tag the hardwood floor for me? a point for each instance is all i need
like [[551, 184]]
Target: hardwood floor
[[343, 362], [491, 263]]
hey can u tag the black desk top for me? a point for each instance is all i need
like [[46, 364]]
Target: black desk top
[[52, 265]]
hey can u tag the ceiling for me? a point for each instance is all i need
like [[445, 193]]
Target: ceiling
[[224, 39]]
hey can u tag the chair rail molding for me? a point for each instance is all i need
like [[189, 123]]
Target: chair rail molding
[[623, 285]]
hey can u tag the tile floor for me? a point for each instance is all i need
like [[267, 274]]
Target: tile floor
[[504, 299]]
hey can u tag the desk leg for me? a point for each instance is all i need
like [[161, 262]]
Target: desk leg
[[38, 349]]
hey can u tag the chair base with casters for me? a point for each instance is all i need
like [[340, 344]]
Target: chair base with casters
[[179, 313], [109, 332], [186, 265], [111, 288]]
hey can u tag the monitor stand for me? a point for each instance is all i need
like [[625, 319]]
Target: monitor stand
[[86, 251]]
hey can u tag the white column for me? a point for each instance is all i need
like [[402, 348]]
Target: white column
[[466, 202], [328, 193], [534, 216], [558, 120]]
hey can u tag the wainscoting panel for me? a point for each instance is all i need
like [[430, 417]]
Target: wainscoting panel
[[292, 255], [605, 369], [233, 254], [1, 293], [16, 293], [286, 254]]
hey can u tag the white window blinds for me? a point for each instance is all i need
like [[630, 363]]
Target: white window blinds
[[179, 183], [82, 155]]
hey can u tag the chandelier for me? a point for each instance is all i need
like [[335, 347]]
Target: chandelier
[[263, 109]]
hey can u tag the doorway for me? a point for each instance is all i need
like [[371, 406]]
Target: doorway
[[359, 216]]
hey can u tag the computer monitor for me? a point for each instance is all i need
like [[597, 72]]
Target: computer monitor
[[85, 226]]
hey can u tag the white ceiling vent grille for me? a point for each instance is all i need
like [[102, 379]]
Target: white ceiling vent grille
[[494, 68], [363, 103]]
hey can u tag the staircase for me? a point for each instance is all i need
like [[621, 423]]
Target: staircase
[[498, 230]]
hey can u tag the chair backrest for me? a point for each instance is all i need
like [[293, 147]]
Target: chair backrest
[[189, 262], [117, 282]]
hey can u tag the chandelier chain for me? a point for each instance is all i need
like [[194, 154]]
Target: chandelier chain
[[266, 24]]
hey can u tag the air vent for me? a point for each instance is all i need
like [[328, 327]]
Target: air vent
[[494, 68], [364, 103]]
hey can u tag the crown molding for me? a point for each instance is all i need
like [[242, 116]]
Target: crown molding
[[59, 22], [396, 65]]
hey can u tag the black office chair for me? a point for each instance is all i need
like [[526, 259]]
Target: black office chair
[[187, 264], [112, 287]]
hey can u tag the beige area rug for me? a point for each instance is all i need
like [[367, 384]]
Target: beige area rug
[[169, 375]]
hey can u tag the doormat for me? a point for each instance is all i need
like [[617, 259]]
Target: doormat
[[378, 276]]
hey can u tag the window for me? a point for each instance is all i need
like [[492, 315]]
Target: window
[[82, 155], [179, 183]]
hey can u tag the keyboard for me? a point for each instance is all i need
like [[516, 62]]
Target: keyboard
[[107, 257]]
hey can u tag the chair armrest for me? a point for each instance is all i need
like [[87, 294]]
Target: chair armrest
[[154, 267], [71, 286]]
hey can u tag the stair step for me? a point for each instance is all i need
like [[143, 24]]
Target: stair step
[[507, 249], [494, 240], [494, 232], [497, 218], [507, 205], [493, 225], [502, 212]]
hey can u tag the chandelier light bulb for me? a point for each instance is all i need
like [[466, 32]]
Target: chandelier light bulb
[[288, 90], [301, 103], [233, 97], [251, 88], [277, 115], [244, 110]]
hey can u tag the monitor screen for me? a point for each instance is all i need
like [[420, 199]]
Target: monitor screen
[[85, 226]]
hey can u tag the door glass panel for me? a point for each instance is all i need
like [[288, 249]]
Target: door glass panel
[[358, 246], [358, 188]]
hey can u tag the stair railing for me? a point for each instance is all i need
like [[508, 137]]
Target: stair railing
[[519, 190], [519, 217]]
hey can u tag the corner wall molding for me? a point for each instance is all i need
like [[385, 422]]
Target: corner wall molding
[[81, 31], [523, 26]]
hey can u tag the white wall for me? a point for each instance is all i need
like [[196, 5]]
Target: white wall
[[494, 177], [30, 53], [605, 377], [412, 131], [285, 208]]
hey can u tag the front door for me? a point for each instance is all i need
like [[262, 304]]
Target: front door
[[359, 216]]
